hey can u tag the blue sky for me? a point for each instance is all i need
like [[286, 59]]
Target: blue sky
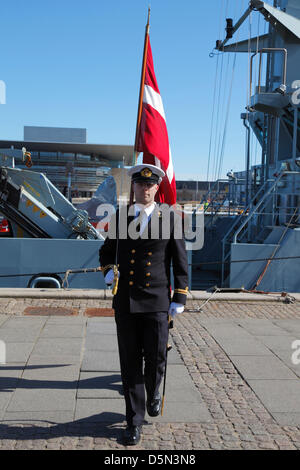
[[70, 63]]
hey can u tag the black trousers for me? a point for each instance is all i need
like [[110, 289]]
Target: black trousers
[[142, 341]]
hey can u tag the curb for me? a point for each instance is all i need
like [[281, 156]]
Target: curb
[[103, 294]]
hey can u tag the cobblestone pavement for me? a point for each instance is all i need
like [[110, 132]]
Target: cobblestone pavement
[[239, 420]]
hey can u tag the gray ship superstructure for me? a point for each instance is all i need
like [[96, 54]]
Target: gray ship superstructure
[[267, 227]]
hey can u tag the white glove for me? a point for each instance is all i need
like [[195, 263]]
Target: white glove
[[109, 277], [175, 308]]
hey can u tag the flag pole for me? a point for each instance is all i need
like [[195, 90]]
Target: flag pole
[[141, 94]]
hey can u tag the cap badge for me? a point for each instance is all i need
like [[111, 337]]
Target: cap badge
[[146, 173]]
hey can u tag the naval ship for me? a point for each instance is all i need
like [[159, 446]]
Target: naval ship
[[257, 247], [252, 230]]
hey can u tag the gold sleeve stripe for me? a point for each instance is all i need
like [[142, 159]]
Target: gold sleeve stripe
[[181, 291]]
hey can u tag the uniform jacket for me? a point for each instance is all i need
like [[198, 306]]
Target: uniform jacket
[[144, 266]]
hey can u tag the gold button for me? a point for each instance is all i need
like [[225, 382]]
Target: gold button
[[149, 263], [148, 274], [150, 253], [131, 273], [147, 285], [132, 261], [131, 283], [133, 251]]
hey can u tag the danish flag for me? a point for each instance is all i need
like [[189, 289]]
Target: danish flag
[[152, 135]]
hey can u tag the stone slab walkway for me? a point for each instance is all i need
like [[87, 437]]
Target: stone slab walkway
[[231, 382]]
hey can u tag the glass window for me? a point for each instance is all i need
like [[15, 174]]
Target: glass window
[[79, 156], [66, 156], [48, 154]]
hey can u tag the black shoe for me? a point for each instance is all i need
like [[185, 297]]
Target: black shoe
[[154, 406], [132, 435]]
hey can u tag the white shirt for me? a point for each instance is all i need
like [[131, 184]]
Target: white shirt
[[148, 210]]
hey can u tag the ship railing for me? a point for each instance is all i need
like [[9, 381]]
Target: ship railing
[[227, 239], [218, 208], [241, 226], [222, 197], [219, 200], [214, 208], [214, 190], [215, 204], [263, 201]]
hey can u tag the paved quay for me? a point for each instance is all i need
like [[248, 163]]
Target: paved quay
[[232, 380]]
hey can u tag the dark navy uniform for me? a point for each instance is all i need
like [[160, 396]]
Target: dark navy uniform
[[141, 307], [144, 266]]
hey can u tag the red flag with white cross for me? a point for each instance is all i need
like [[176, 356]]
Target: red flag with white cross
[[151, 133]]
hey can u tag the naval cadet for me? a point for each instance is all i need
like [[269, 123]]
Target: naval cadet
[[143, 301]]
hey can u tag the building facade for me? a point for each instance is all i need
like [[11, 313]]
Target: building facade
[[65, 157]]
